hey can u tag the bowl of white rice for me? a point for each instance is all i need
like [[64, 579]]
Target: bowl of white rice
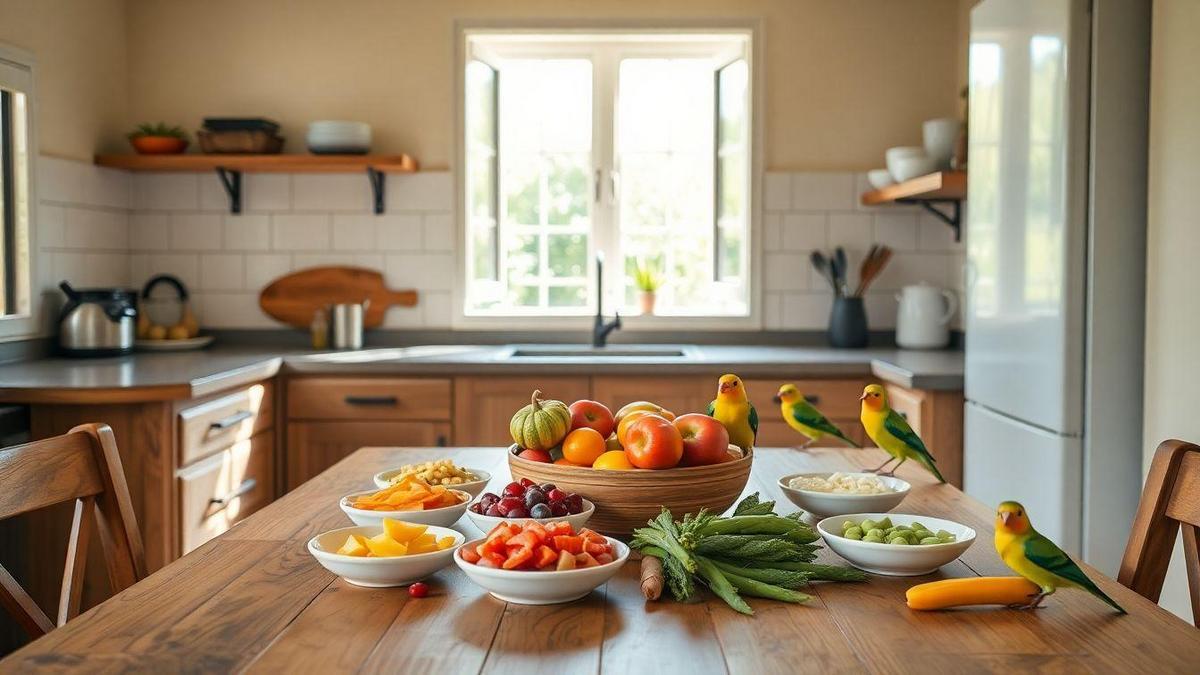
[[832, 494]]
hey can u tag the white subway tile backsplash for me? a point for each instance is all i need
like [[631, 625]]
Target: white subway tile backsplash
[[354, 232], [777, 191], [212, 193], [166, 191], [424, 271], [930, 268], [50, 226], [186, 266], [222, 272], [420, 192], [247, 232], [108, 187], [804, 231], [823, 191], [896, 230], [772, 236], [881, 308], [149, 231], [436, 309], [94, 229], [195, 232], [232, 310], [438, 231], [330, 192], [785, 272], [851, 231], [266, 192], [935, 235], [263, 268], [300, 232], [302, 261], [399, 232], [806, 311], [772, 311]]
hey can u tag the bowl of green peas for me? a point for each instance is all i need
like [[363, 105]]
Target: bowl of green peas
[[895, 544]]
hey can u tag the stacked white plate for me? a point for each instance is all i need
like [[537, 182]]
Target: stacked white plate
[[337, 137]]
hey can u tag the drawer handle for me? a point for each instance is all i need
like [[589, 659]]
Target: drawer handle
[[245, 488], [812, 399], [372, 400], [226, 422]]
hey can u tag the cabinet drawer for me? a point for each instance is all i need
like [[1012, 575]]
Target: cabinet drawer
[[834, 398], [220, 490], [215, 424], [348, 398]]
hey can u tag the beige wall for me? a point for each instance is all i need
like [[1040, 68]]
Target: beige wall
[[1172, 304], [79, 47], [845, 78]]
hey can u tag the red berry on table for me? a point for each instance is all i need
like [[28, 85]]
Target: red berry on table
[[514, 489], [418, 590]]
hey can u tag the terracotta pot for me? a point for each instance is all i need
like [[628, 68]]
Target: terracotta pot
[[646, 299], [158, 145]]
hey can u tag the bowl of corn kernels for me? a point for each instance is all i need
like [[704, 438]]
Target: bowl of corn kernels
[[439, 472]]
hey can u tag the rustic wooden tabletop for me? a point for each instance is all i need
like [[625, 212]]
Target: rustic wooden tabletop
[[254, 599]]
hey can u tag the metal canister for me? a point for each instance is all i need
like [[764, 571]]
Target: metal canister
[[347, 325]]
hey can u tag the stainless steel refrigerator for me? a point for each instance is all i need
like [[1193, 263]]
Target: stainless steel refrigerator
[[1055, 272]]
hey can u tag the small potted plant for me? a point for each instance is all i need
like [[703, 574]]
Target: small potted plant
[[648, 281], [158, 139]]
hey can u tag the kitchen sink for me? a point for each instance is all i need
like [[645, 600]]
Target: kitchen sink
[[583, 352]]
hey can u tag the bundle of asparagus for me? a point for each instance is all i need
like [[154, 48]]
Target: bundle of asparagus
[[753, 552]]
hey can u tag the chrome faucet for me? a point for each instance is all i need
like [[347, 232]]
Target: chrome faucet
[[601, 328]]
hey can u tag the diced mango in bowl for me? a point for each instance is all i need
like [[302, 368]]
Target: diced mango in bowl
[[410, 493], [397, 539]]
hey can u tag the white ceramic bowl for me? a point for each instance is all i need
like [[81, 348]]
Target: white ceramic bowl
[[473, 488], [940, 136], [880, 178], [443, 517], [380, 572], [326, 136], [822, 504], [486, 523], [896, 561], [907, 168], [543, 588]]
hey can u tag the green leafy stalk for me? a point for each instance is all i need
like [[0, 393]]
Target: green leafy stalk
[[760, 590], [661, 532], [718, 584], [766, 575], [719, 544], [816, 570], [751, 506], [764, 524], [767, 550]]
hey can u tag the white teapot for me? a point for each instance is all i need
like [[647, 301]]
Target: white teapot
[[923, 321]]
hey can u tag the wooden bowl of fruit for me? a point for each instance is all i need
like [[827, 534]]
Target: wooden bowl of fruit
[[649, 459]]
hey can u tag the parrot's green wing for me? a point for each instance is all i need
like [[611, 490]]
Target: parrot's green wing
[[898, 427], [804, 413], [1047, 555], [753, 419], [712, 407]]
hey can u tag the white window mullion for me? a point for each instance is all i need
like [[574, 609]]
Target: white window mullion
[[604, 199]]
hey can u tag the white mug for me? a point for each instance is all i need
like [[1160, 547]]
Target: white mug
[[923, 320]]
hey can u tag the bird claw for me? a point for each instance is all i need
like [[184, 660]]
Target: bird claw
[[891, 473]]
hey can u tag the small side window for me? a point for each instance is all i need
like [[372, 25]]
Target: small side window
[[16, 83]]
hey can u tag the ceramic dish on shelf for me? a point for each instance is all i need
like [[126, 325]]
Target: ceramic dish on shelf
[[525, 587], [184, 345], [485, 523], [443, 517], [473, 487], [823, 504], [880, 178], [891, 559], [380, 572], [333, 137]]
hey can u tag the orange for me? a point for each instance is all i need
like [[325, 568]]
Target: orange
[[583, 446], [613, 460]]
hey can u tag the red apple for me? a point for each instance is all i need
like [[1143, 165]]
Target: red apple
[[705, 439], [651, 442], [593, 415], [535, 455]]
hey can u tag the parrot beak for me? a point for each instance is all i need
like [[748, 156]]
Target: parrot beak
[[725, 386], [1005, 516], [863, 397], [777, 398]]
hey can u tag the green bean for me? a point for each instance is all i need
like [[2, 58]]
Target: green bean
[[767, 575], [760, 590], [721, 586]]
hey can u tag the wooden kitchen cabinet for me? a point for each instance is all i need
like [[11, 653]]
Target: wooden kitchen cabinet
[[837, 399], [483, 406], [679, 394], [218, 491], [937, 417], [313, 447]]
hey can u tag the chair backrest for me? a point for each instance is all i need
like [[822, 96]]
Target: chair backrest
[[1170, 504], [81, 465]]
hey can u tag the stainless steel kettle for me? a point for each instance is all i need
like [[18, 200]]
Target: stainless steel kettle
[[97, 321]]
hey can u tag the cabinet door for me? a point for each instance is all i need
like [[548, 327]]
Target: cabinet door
[[224, 488], [678, 394], [315, 446], [483, 406]]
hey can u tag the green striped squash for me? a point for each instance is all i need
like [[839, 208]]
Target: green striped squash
[[541, 425]]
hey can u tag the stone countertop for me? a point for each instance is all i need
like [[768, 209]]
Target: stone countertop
[[167, 376]]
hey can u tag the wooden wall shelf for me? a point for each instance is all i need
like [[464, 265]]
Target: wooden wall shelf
[[231, 167], [940, 188]]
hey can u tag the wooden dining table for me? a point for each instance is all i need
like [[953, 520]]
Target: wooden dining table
[[254, 599]]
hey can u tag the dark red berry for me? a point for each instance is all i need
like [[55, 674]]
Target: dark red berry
[[418, 590], [518, 512], [493, 511], [547, 487], [534, 496], [507, 504], [541, 511], [525, 482], [555, 495], [558, 509], [514, 489], [574, 503]]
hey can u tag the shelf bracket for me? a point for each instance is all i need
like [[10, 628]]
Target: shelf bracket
[[953, 218], [376, 178], [232, 180]]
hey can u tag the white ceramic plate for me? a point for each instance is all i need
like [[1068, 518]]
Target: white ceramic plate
[[380, 572], [896, 561], [473, 488], [485, 523], [822, 504], [443, 517], [188, 344], [543, 588]]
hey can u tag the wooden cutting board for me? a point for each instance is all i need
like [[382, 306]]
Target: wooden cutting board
[[295, 298]]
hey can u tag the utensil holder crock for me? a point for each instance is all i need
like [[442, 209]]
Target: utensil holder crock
[[848, 323]]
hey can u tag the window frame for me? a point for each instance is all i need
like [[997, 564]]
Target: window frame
[[604, 110], [18, 72]]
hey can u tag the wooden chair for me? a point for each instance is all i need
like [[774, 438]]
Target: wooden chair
[[1170, 502], [82, 465]]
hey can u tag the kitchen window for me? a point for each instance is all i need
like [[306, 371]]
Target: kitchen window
[[16, 84], [631, 146]]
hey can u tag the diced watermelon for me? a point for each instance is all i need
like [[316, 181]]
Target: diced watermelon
[[469, 555], [535, 528], [545, 557], [502, 527], [566, 562], [569, 544], [491, 560], [585, 560], [495, 545], [596, 548], [561, 528], [604, 558], [526, 539], [589, 535], [517, 557]]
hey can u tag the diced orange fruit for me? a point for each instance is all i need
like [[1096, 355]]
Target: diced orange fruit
[[401, 531], [356, 545], [408, 494], [382, 545], [445, 543]]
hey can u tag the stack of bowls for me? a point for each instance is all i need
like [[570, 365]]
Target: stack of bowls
[[335, 137], [908, 162]]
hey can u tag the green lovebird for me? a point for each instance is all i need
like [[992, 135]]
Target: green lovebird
[[805, 418], [1038, 559], [732, 408], [891, 432]]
